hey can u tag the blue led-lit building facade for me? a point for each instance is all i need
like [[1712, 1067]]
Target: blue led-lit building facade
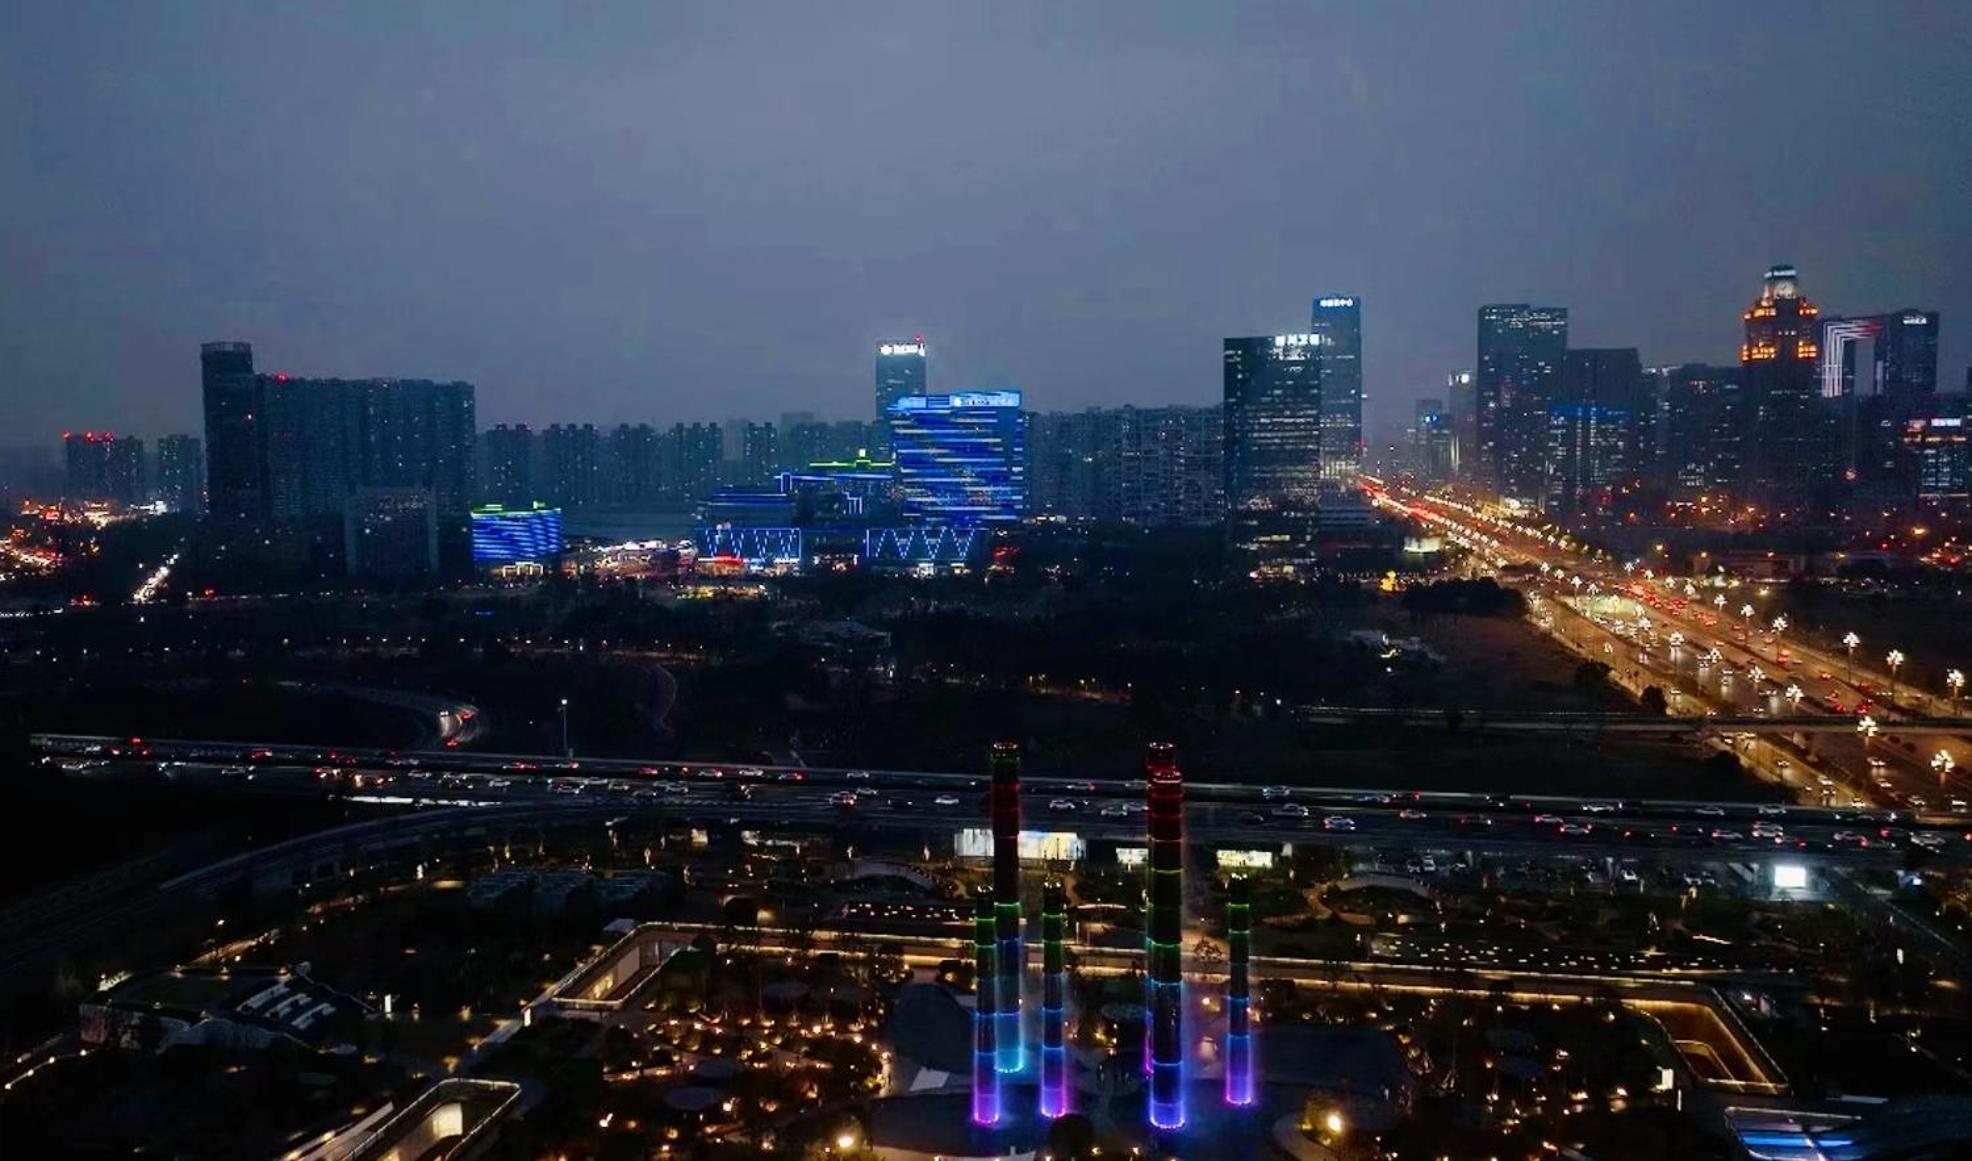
[[961, 458], [502, 535]]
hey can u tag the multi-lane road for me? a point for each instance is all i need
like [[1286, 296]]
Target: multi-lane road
[[1832, 730], [1216, 812]]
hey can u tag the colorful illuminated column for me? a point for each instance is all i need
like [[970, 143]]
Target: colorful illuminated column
[[1054, 1000], [985, 986], [1239, 995], [1165, 928], [1006, 901]]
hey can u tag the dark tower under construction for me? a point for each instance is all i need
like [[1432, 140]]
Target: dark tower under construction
[[1006, 902], [1164, 928]]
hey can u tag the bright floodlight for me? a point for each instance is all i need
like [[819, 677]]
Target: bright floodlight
[[1790, 877]]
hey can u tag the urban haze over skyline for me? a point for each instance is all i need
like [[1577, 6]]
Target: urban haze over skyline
[[705, 214]]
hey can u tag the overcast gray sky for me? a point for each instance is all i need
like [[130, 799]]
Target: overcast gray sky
[[645, 211]]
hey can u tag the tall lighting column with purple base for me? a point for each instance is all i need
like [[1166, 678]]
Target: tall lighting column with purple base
[[1164, 926], [1006, 904], [986, 985], [1054, 1000], [1239, 995]]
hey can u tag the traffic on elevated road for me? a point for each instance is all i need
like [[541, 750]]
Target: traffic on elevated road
[[1826, 725], [1216, 811]]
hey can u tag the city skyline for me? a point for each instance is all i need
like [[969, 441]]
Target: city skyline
[[1070, 277]]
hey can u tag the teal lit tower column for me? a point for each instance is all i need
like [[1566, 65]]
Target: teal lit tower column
[[1054, 1000], [1006, 902], [1165, 927], [1239, 995], [985, 985]]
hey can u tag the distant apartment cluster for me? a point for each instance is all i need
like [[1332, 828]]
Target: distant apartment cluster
[[376, 473], [1820, 414]]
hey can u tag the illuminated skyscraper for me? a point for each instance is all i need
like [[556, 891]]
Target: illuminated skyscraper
[[900, 372], [1006, 902], [1164, 934], [1595, 428], [1338, 319], [961, 458], [1273, 395], [1462, 406], [1518, 378], [1872, 408], [1790, 436], [1702, 431]]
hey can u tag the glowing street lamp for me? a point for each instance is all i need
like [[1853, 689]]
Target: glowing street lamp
[[1942, 762], [1794, 696], [1866, 726], [1849, 642], [1718, 602], [1746, 612], [1895, 659], [1955, 681]]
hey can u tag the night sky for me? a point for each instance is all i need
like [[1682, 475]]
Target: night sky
[[641, 211]]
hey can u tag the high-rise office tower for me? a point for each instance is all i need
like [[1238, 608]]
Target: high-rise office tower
[[102, 465], [234, 488], [181, 473], [961, 458], [1273, 393], [1054, 999], [1006, 902], [1338, 319], [1433, 452], [1702, 424], [1871, 408], [1789, 432], [1462, 404], [1518, 376], [508, 455], [1239, 993], [900, 372], [1596, 427], [1164, 937]]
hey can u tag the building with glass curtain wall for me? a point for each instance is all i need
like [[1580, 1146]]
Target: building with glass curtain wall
[[503, 535], [1338, 319], [961, 458], [1273, 400]]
